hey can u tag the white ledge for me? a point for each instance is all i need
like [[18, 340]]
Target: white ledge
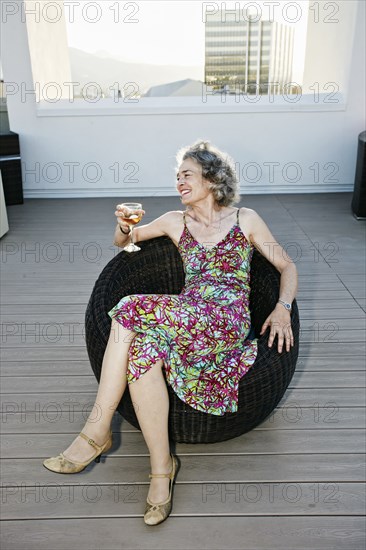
[[195, 105], [263, 189]]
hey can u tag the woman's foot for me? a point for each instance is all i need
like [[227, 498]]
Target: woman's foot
[[64, 464], [157, 512], [159, 487], [80, 450]]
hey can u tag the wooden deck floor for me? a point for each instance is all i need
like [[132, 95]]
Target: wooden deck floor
[[295, 482]]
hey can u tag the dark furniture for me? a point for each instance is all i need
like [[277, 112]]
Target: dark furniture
[[157, 268], [359, 192], [10, 166]]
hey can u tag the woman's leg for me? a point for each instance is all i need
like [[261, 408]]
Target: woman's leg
[[150, 399], [111, 387]]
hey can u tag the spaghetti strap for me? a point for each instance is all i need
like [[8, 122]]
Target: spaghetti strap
[[237, 216], [184, 218]]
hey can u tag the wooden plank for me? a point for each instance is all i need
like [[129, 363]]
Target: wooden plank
[[49, 285], [332, 326], [262, 441], [320, 326], [43, 367], [306, 280], [215, 533], [62, 421], [337, 352], [348, 303], [54, 420], [88, 383], [209, 468], [44, 309], [67, 271], [48, 384], [72, 334], [76, 312], [54, 299], [64, 288], [344, 315], [307, 363], [190, 499], [32, 353], [342, 397], [342, 379]]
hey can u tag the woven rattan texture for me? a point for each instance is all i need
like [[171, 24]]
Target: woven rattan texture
[[157, 269]]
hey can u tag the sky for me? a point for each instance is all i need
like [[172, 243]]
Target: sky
[[167, 32]]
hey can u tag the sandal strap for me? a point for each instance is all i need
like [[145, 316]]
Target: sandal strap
[[160, 475], [91, 441]]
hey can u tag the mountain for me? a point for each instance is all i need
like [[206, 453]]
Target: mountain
[[87, 67]]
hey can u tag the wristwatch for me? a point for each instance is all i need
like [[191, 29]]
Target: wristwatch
[[285, 305]]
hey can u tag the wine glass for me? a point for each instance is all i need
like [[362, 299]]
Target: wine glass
[[131, 214]]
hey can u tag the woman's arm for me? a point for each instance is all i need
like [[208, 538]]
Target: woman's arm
[[279, 319]]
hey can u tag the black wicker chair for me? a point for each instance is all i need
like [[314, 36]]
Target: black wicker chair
[[157, 269]]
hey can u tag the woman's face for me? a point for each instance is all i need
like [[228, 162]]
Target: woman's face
[[191, 185]]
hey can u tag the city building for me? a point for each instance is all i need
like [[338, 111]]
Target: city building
[[246, 55]]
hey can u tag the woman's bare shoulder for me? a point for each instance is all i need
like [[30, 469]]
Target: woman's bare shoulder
[[172, 218], [247, 212], [166, 224], [249, 216], [174, 214], [173, 224], [248, 220]]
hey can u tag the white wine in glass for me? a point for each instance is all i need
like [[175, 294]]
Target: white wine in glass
[[131, 214]]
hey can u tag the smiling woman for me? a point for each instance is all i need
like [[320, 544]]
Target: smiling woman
[[198, 340]]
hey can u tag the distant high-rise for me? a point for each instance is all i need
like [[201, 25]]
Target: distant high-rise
[[245, 55]]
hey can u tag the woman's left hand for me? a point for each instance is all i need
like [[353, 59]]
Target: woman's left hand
[[279, 322]]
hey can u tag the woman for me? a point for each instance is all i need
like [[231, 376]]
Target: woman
[[199, 337]]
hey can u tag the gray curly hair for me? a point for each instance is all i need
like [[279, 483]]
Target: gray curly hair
[[217, 167]]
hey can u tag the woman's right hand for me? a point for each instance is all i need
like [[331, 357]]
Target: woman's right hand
[[120, 213]]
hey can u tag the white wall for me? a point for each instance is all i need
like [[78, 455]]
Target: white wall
[[144, 145], [330, 31], [48, 47]]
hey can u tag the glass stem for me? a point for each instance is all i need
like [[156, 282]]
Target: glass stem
[[132, 241]]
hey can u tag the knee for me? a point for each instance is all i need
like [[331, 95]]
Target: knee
[[153, 374], [156, 369], [120, 334]]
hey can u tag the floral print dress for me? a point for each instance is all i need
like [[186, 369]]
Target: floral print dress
[[202, 333]]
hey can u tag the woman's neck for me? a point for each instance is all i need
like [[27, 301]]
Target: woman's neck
[[207, 213]]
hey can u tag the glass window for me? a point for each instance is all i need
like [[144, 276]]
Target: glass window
[[102, 52]]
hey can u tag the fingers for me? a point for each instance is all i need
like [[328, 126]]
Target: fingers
[[122, 210], [265, 325], [284, 336]]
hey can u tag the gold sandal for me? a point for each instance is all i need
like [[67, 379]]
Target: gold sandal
[[62, 465], [156, 513]]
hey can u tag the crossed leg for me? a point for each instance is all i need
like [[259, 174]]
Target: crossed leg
[[150, 398]]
